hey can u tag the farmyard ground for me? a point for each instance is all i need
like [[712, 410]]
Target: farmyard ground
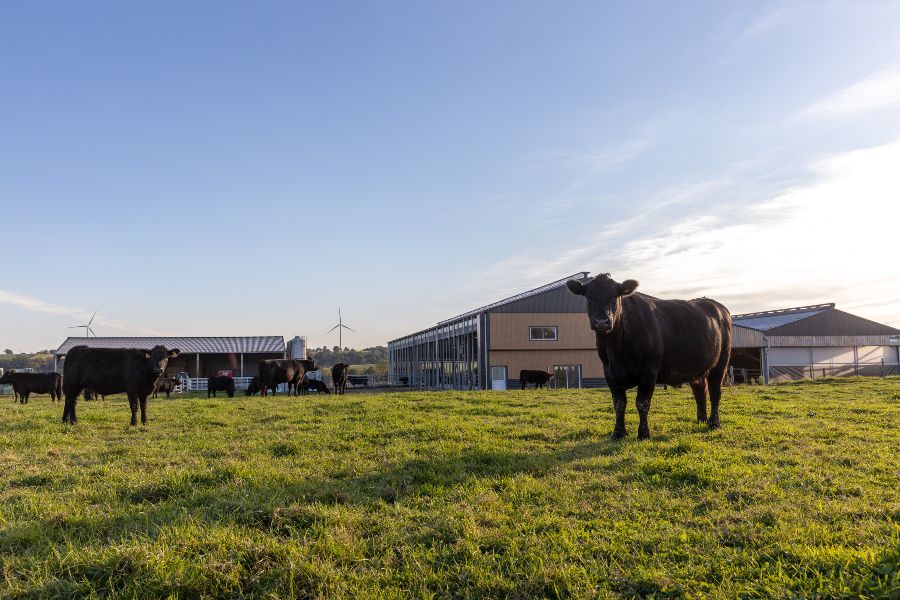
[[475, 494]]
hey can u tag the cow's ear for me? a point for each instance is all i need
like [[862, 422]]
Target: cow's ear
[[627, 287], [174, 352], [576, 287]]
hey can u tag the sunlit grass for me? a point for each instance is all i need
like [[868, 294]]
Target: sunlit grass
[[478, 494]]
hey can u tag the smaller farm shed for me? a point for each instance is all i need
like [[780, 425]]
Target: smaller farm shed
[[200, 356], [812, 341]]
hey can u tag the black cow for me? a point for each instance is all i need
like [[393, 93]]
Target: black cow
[[339, 374], [167, 385], [643, 341], [538, 378], [290, 371], [25, 384], [307, 384], [220, 384], [113, 371]]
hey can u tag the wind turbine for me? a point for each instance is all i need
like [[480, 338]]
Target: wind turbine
[[340, 327], [87, 326]]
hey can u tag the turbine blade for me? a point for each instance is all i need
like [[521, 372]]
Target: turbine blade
[[92, 318], [350, 328], [332, 329]]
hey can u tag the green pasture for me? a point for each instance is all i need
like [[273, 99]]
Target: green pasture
[[456, 494]]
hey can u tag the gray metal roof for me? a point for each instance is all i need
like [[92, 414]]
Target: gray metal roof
[[581, 275], [770, 319], [190, 345]]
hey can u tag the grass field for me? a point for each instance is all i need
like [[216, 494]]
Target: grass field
[[475, 494]]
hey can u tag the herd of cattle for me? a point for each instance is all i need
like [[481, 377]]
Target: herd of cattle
[[642, 342], [138, 373]]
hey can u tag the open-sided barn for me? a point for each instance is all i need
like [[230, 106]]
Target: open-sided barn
[[200, 356], [547, 329], [812, 341]]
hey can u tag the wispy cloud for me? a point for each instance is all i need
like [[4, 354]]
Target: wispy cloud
[[41, 306], [877, 91]]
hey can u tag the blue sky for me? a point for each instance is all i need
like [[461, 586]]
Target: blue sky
[[225, 168]]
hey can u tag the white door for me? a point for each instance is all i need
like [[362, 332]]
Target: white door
[[498, 378]]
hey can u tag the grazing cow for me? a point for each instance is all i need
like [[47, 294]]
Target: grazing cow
[[339, 374], [307, 384], [220, 384], [356, 380], [25, 384], [643, 341], [290, 371], [252, 387], [538, 378], [112, 371], [167, 385]]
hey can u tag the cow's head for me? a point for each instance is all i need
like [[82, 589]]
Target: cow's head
[[158, 358], [309, 364], [5, 378], [604, 300]]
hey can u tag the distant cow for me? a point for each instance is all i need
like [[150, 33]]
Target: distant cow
[[339, 374], [25, 384], [290, 371], [643, 341], [166, 385], [113, 371], [220, 384], [538, 378], [307, 384], [92, 395], [356, 380]]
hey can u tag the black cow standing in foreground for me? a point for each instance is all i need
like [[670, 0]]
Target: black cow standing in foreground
[[220, 384], [538, 378], [339, 374], [113, 371], [25, 384], [290, 371], [643, 341]]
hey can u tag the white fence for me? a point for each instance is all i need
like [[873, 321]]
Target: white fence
[[199, 384]]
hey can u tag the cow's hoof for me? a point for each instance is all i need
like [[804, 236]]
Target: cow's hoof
[[643, 434], [619, 434], [713, 425], [701, 419]]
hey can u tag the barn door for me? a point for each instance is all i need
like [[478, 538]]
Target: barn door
[[498, 378], [567, 376]]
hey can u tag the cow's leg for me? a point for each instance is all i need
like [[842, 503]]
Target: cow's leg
[[644, 396], [699, 389], [69, 408], [143, 400], [620, 401], [25, 396], [133, 404], [716, 377]]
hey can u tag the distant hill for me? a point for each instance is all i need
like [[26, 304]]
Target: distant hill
[[326, 357], [39, 361]]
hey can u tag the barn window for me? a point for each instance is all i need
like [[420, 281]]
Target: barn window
[[542, 333]]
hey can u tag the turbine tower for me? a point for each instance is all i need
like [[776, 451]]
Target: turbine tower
[[340, 327]]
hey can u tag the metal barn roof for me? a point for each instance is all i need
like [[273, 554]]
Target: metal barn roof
[[581, 275], [770, 319], [189, 345]]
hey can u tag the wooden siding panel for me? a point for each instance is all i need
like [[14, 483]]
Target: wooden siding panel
[[509, 331]]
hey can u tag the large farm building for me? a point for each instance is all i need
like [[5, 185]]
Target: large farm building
[[203, 356], [547, 328]]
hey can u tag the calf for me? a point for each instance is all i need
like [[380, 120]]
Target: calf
[[538, 378], [220, 384], [112, 371], [642, 341], [25, 384], [167, 385]]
